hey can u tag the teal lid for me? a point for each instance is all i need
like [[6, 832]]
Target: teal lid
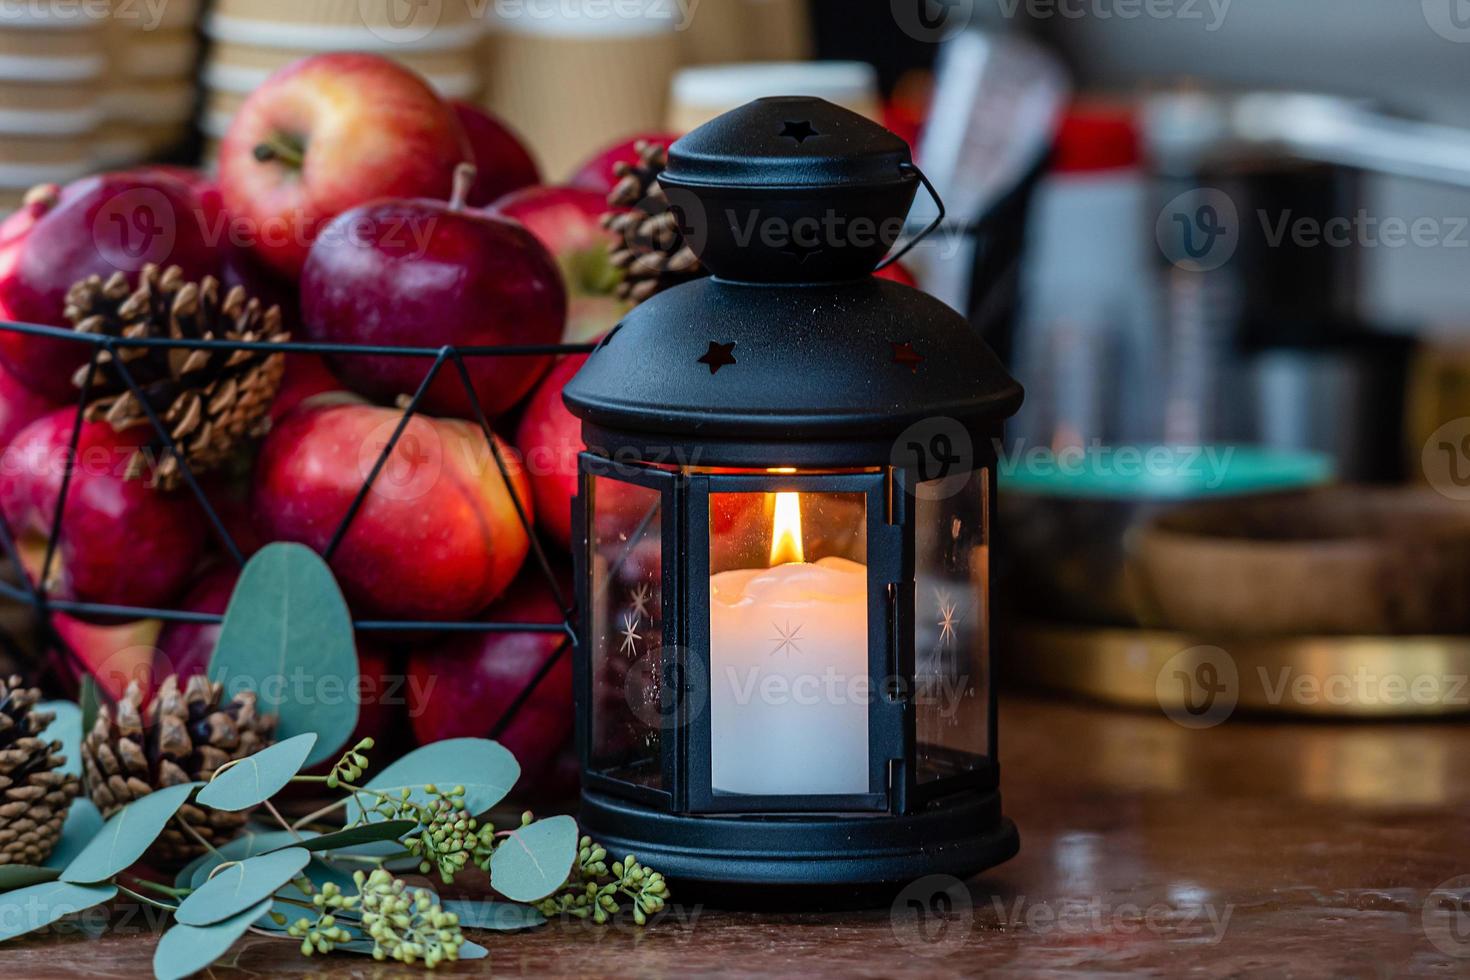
[[1161, 472]]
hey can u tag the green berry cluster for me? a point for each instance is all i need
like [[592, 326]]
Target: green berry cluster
[[406, 925], [323, 934], [593, 888], [448, 838], [351, 766]]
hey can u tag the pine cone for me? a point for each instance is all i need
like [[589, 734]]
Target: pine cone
[[180, 738], [651, 250], [210, 400], [34, 793]]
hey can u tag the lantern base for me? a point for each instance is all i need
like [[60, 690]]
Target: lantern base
[[865, 856]]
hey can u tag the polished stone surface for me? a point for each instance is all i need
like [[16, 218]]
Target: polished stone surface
[[1252, 848]]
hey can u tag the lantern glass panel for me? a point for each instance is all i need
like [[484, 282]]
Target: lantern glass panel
[[625, 604], [952, 624], [788, 651]]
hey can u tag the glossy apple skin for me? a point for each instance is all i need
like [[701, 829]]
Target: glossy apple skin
[[185, 648], [568, 221], [502, 162], [549, 438], [598, 173], [113, 655], [122, 542], [95, 226], [19, 407], [466, 685], [370, 129], [421, 273], [437, 538]]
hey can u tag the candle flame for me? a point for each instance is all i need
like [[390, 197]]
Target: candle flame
[[786, 533]]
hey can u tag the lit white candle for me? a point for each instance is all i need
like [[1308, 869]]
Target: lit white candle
[[789, 672]]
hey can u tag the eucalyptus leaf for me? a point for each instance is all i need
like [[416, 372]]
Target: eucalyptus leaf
[[318, 872], [256, 778], [89, 701], [287, 636], [66, 728], [368, 833], [472, 951], [13, 876], [484, 768], [237, 887], [247, 845], [28, 909], [187, 949], [534, 861], [498, 916], [83, 822], [124, 838]]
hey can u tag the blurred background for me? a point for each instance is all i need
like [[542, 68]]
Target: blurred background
[[1223, 244]]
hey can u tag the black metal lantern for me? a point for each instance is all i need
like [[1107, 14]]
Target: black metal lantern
[[784, 674]]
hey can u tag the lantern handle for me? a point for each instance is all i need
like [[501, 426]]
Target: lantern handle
[[929, 230]]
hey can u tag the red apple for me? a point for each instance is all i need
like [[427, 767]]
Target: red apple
[[438, 536], [95, 226], [426, 273], [185, 648], [568, 221], [502, 162], [114, 656], [468, 685], [19, 407], [306, 376], [122, 542], [549, 439], [599, 173], [326, 134]]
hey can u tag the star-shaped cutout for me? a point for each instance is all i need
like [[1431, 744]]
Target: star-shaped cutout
[[947, 617], [799, 130], [718, 356], [630, 636], [641, 596], [905, 354], [787, 640]]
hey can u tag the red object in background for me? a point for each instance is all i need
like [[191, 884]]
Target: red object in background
[[502, 162], [96, 226], [897, 273], [469, 684], [1097, 136], [549, 439], [568, 221], [597, 173], [19, 407], [185, 648], [123, 542]]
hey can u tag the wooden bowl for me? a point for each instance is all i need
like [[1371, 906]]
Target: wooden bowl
[[1336, 561]]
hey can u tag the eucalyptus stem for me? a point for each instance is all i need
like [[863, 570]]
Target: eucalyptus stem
[[282, 820], [144, 898], [196, 835]]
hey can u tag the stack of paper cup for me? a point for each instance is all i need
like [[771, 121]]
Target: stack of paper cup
[[150, 83], [52, 62], [574, 76], [252, 39], [721, 31], [700, 94]]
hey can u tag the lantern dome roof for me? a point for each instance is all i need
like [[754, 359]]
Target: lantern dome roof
[[753, 372]]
